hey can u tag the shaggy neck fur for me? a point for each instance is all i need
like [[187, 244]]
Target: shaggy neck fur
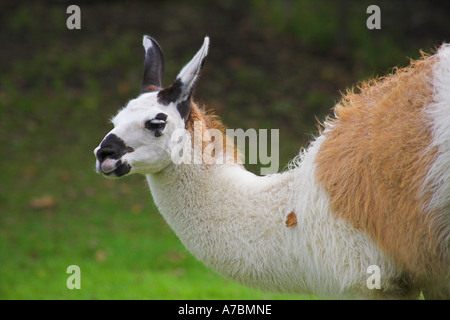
[[206, 121], [235, 241], [234, 222]]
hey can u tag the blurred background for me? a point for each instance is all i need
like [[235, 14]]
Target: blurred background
[[271, 64]]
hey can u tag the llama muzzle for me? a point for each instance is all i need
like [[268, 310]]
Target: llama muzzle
[[109, 155]]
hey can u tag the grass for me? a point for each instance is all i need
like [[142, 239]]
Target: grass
[[59, 87], [122, 255]]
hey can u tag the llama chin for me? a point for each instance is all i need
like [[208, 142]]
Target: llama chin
[[364, 211]]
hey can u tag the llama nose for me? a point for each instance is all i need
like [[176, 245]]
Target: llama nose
[[112, 147], [108, 151]]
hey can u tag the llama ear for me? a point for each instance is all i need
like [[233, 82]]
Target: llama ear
[[190, 73], [153, 65], [181, 89]]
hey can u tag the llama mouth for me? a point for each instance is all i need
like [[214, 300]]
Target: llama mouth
[[113, 168]]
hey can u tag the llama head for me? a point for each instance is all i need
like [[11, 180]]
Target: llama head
[[141, 140]]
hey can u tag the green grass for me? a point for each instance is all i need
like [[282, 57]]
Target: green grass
[[122, 254]]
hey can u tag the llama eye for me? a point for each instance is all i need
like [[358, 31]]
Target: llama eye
[[156, 125]]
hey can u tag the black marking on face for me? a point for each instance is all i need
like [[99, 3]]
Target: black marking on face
[[157, 124], [112, 147], [171, 93], [184, 108], [122, 169], [161, 116], [157, 128]]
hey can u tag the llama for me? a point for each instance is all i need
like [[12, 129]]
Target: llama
[[373, 189]]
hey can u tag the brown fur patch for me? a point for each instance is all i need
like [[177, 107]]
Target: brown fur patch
[[209, 120], [373, 163], [291, 219]]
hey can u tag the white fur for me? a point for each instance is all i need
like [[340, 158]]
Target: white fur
[[439, 111], [438, 179], [147, 43]]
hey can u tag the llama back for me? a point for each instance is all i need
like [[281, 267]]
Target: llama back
[[385, 164]]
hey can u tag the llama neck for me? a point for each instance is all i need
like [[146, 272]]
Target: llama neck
[[235, 223], [226, 216]]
